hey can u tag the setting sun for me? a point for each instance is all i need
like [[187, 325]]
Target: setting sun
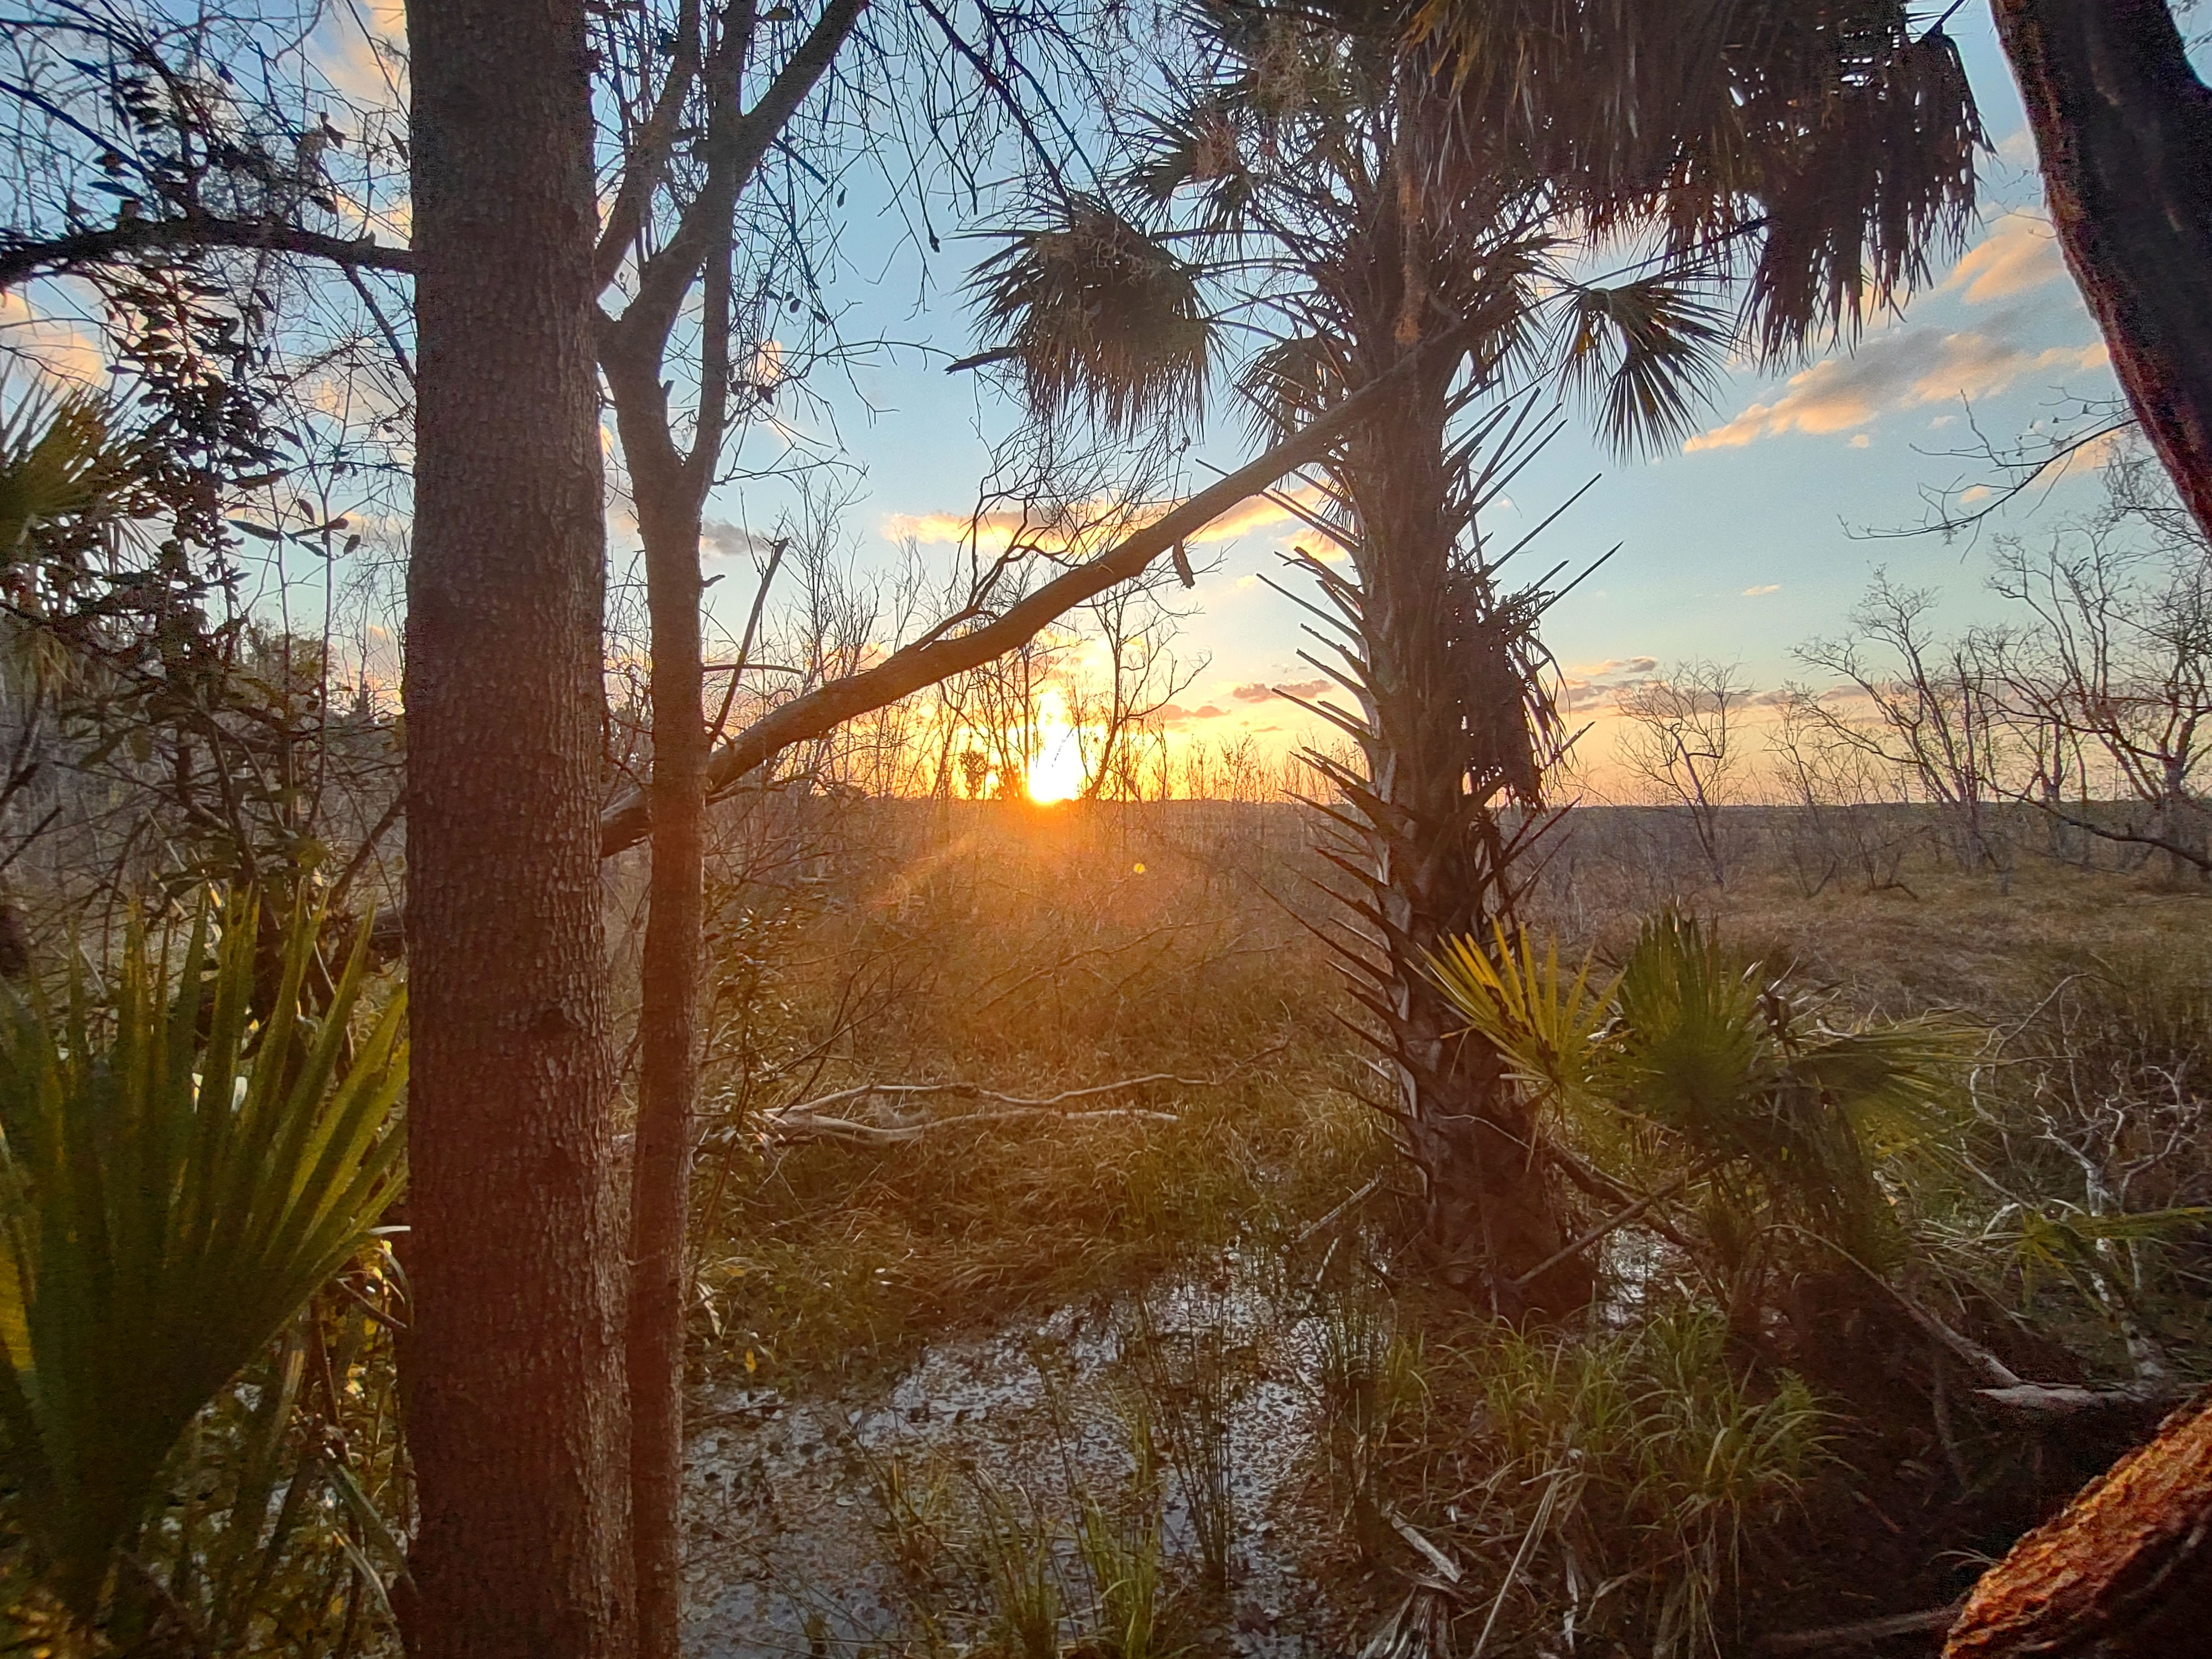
[[1056, 775]]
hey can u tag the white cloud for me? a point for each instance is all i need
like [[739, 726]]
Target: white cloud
[[1905, 367], [720, 539], [1861, 441], [1762, 589]]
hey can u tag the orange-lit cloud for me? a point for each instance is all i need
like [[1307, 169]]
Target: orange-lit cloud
[[1899, 369], [1088, 527], [2021, 252], [61, 348], [363, 51]]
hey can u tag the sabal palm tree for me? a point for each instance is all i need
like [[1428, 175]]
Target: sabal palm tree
[[1357, 198]]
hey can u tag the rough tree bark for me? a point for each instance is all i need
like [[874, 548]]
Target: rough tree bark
[[513, 1368], [2123, 133], [1441, 862], [1446, 740], [2124, 1572]]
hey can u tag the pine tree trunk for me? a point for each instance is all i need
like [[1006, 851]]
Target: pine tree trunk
[[512, 1366], [2122, 1573], [2124, 132]]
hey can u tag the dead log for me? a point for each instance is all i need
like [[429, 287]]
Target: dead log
[[2123, 1570]]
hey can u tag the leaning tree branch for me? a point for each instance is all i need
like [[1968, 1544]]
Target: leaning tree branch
[[22, 258]]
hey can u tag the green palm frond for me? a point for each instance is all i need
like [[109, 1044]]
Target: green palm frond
[[1544, 1022], [1098, 315], [1694, 1052], [1646, 356], [59, 459], [1896, 1082], [1707, 1050], [2064, 1242], [175, 1182]]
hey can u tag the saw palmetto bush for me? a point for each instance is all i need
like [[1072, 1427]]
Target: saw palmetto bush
[[1694, 1057], [178, 1178]]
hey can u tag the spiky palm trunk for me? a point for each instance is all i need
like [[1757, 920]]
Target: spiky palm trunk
[[1439, 664]]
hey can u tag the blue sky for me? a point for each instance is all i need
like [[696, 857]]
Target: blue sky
[[1736, 549]]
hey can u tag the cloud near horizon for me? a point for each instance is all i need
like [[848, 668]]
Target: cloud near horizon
[[1261, 690], [1900, 369], [1088, 527]]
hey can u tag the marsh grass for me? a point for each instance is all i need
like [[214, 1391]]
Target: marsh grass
[[1630, 1481], [1024, 951], [1611, 1483]]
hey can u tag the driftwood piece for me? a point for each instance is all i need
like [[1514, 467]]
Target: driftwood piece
[[2122, 1571]]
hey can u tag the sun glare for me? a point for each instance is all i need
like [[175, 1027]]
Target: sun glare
[[1056, 774]]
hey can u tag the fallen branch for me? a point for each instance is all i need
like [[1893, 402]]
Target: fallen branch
[[2071, 1400], [1866, 1632], [800, 1127], [1337, 1214], [806, 1119], [1612, 1223]]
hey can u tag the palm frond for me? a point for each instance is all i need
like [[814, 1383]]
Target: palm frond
[[175, 1182], [1099, 316], [59, 459], [1543, 1021], [1646, 356], [1693, 1053]]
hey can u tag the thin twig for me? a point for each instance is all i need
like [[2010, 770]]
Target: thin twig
[[1312, 1229], [1619, 1218]]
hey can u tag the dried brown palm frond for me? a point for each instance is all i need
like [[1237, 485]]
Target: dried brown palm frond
[[1291, 381], [1098, 315]]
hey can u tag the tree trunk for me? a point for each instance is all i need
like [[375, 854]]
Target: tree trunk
[[669, 496], [512, 1364], [2123, 133], [1440, 871], [2124, 1572]]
